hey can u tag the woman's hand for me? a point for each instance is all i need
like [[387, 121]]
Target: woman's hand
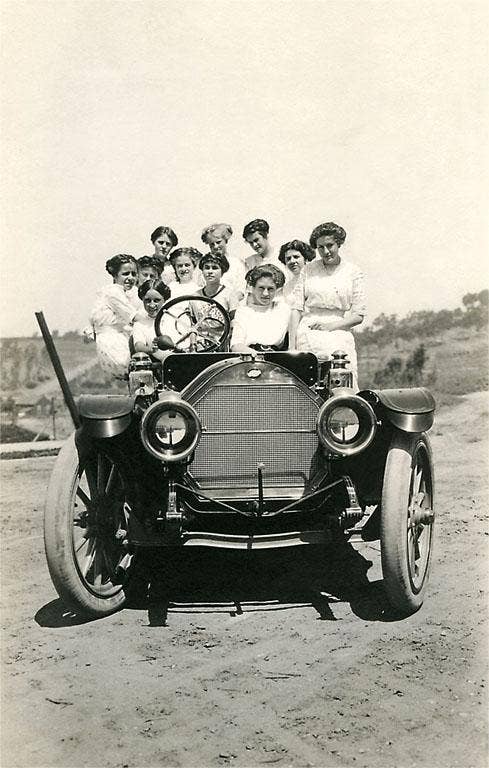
[[322, 327], [243, 349], [344, 324]]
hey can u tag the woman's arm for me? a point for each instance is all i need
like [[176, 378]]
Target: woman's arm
[[243, 349], [232, 303], [120, 304], [295, 318], [349, 320], [140, 338], [239, 335], [355, 314], [151, 349], [143, 344], [297, 304]]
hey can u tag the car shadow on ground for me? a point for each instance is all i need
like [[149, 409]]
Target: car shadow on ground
[[291, 577], [55, 614], [193, 580]]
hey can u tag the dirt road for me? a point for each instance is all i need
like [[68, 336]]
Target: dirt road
[[280, 658]]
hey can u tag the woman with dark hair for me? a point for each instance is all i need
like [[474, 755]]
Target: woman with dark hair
[[256, 235], [113, 314], [217, 236], [263, 322], [294, 256], [164, 239], [214, 267], [153, 294], [328, 300], [184, 261], [149, 268]]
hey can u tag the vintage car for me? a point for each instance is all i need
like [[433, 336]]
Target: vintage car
[[215, 449]]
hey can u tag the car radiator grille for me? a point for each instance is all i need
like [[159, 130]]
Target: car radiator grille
[[244, 426]]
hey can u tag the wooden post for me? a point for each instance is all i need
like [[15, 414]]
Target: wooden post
[[53, 414], [58, 369]]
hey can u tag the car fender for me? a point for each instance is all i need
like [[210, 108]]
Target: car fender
[[411, 410], [105, 415]]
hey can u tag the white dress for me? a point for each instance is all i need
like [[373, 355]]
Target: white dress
[[226, 297], [112, 317], [175, 322], [143, 331], [252, 326], [290, 286], [323, 296], [183, 289], [168, 273], [257, 260], [234, 278], [212, 316]]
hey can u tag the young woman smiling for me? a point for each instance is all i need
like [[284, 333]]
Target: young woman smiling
[[113, 314]]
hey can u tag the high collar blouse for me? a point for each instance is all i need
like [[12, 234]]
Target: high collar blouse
[[318, 290], [254, 326]]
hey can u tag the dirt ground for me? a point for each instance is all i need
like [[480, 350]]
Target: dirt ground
[[275, 658]]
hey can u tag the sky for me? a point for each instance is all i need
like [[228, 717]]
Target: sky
[[118, 117]]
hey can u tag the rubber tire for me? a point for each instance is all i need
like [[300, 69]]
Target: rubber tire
[[402, 594], [58, 540]]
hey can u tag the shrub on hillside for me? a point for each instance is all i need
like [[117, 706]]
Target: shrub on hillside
[[397, 373], [476, 309], [413, 369], [75, 335], [390, 375]]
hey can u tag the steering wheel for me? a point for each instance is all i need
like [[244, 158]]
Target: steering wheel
[[194, 323]]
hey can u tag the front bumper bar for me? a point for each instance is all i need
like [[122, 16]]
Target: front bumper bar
[[252, 541]]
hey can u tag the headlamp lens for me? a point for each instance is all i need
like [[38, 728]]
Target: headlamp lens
[[170, 429], [344, 424]]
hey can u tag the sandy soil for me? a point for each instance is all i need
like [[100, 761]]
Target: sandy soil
[[283, 658]]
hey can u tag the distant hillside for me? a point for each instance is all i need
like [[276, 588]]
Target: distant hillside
[[474, 314], [455, 362], [26, 373], [29, 391], [24, 362], [446, 350]]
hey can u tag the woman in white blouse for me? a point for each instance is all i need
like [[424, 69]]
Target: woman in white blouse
[[294, 256], [217, 236], [328, 300], [113, 314], [262, 323], [164, 239]]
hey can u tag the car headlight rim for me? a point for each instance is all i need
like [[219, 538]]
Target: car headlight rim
[[152, 427], [366, 419]]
